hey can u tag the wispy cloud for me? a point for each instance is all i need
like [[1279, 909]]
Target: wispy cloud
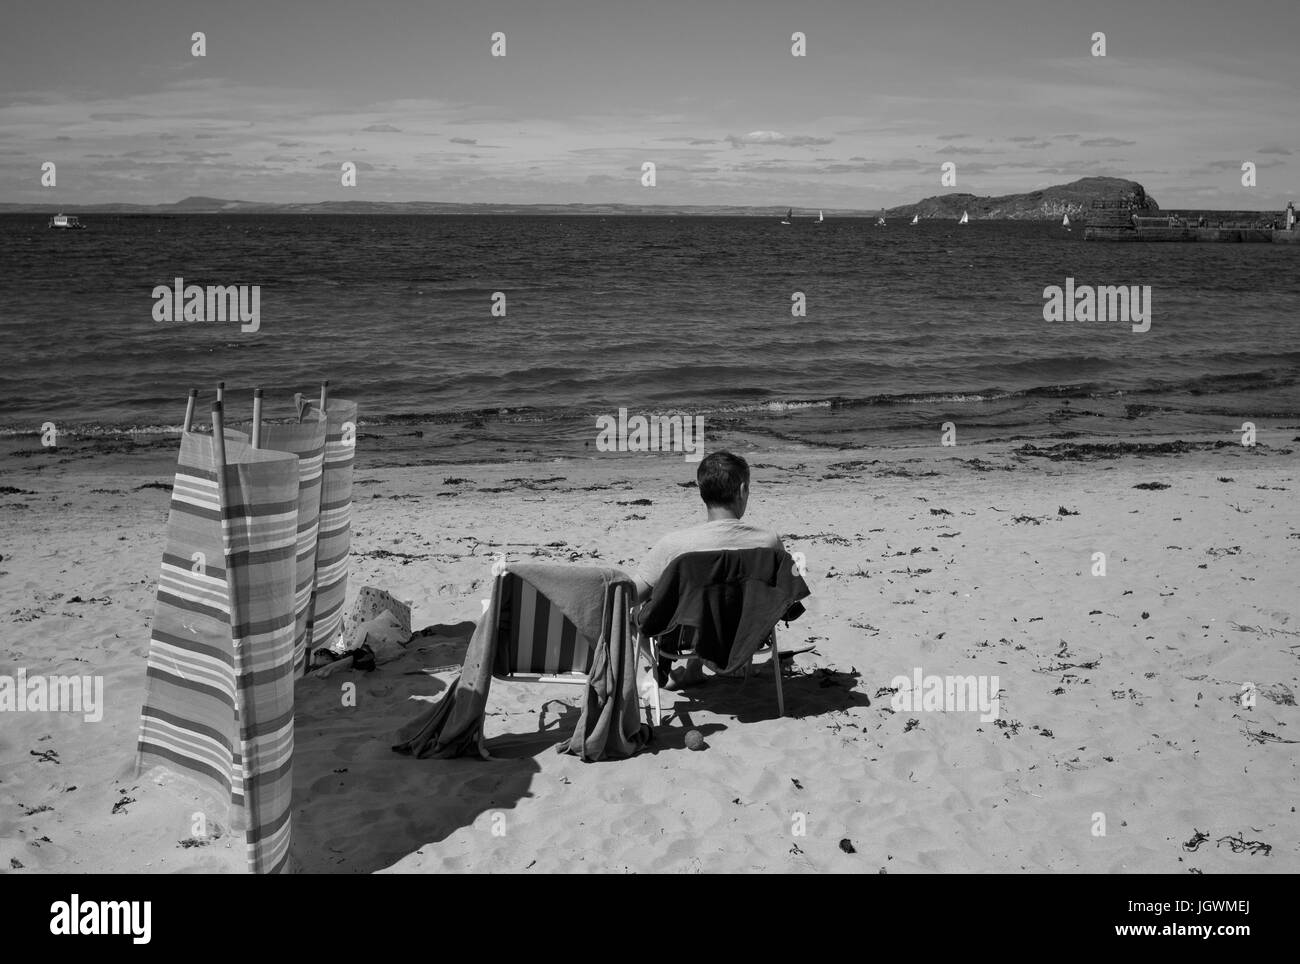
[[1106, 142], [775, 139]]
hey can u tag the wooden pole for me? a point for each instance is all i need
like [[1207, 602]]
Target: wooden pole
[[221, 392], [189, 410], [257, 418], [324, 394], [223, 500], [219, 444]]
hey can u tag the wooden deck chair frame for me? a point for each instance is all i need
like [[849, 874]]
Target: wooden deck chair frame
[[656, 708]]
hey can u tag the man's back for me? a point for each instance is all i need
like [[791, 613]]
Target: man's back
[[715, 534]]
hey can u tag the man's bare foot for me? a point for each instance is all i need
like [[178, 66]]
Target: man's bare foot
[[688, 675]]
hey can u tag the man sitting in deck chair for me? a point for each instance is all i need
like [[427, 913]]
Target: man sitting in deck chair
[[723, 481]]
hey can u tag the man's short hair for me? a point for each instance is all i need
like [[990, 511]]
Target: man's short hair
[[720, 477]]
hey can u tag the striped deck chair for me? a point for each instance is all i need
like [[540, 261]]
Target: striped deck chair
[[335, 536], [305, 439], [546, 622], [219, 689], [536, 642]]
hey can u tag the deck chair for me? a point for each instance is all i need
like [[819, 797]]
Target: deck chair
[[723, 606], [680, 645], [546, 623], [536, 642]]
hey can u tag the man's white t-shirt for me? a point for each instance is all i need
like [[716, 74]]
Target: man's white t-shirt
[[707, 536]]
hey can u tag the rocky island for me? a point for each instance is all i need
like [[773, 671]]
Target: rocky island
[[1048, 204]]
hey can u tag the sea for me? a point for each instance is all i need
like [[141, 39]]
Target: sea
[[904, 328]]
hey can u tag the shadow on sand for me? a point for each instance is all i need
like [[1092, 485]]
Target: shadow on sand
[[360, 807], [807, 693]]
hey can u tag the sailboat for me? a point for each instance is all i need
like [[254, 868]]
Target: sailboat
[[965, 218], [789, 216], [880, 221], [916, 218], [1065, 221], [820, 217]]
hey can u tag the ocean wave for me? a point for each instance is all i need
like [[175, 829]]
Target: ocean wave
[[1190, 389]]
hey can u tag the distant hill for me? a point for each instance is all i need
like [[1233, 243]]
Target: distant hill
[[1074, 199], [211, 205], [1050, 203]]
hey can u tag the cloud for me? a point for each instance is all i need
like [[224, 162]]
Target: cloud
[[776, 138], [361, 166], [382, 129], [1215, 167], [119, 116], [1029, 143], [692, 141], [1274, 149], [802, 168], [1106, 142], [464, 140], [1082, 169]]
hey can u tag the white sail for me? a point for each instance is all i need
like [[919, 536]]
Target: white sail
[[964, 218], [915, 218], [820, 217], [1065, 221]]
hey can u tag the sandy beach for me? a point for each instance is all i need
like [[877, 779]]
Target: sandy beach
[[1120, 695]]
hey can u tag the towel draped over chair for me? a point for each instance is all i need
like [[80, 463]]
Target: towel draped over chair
[[729, 598], [545, 618]]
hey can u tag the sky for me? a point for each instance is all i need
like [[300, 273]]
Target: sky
[[590, 90]]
